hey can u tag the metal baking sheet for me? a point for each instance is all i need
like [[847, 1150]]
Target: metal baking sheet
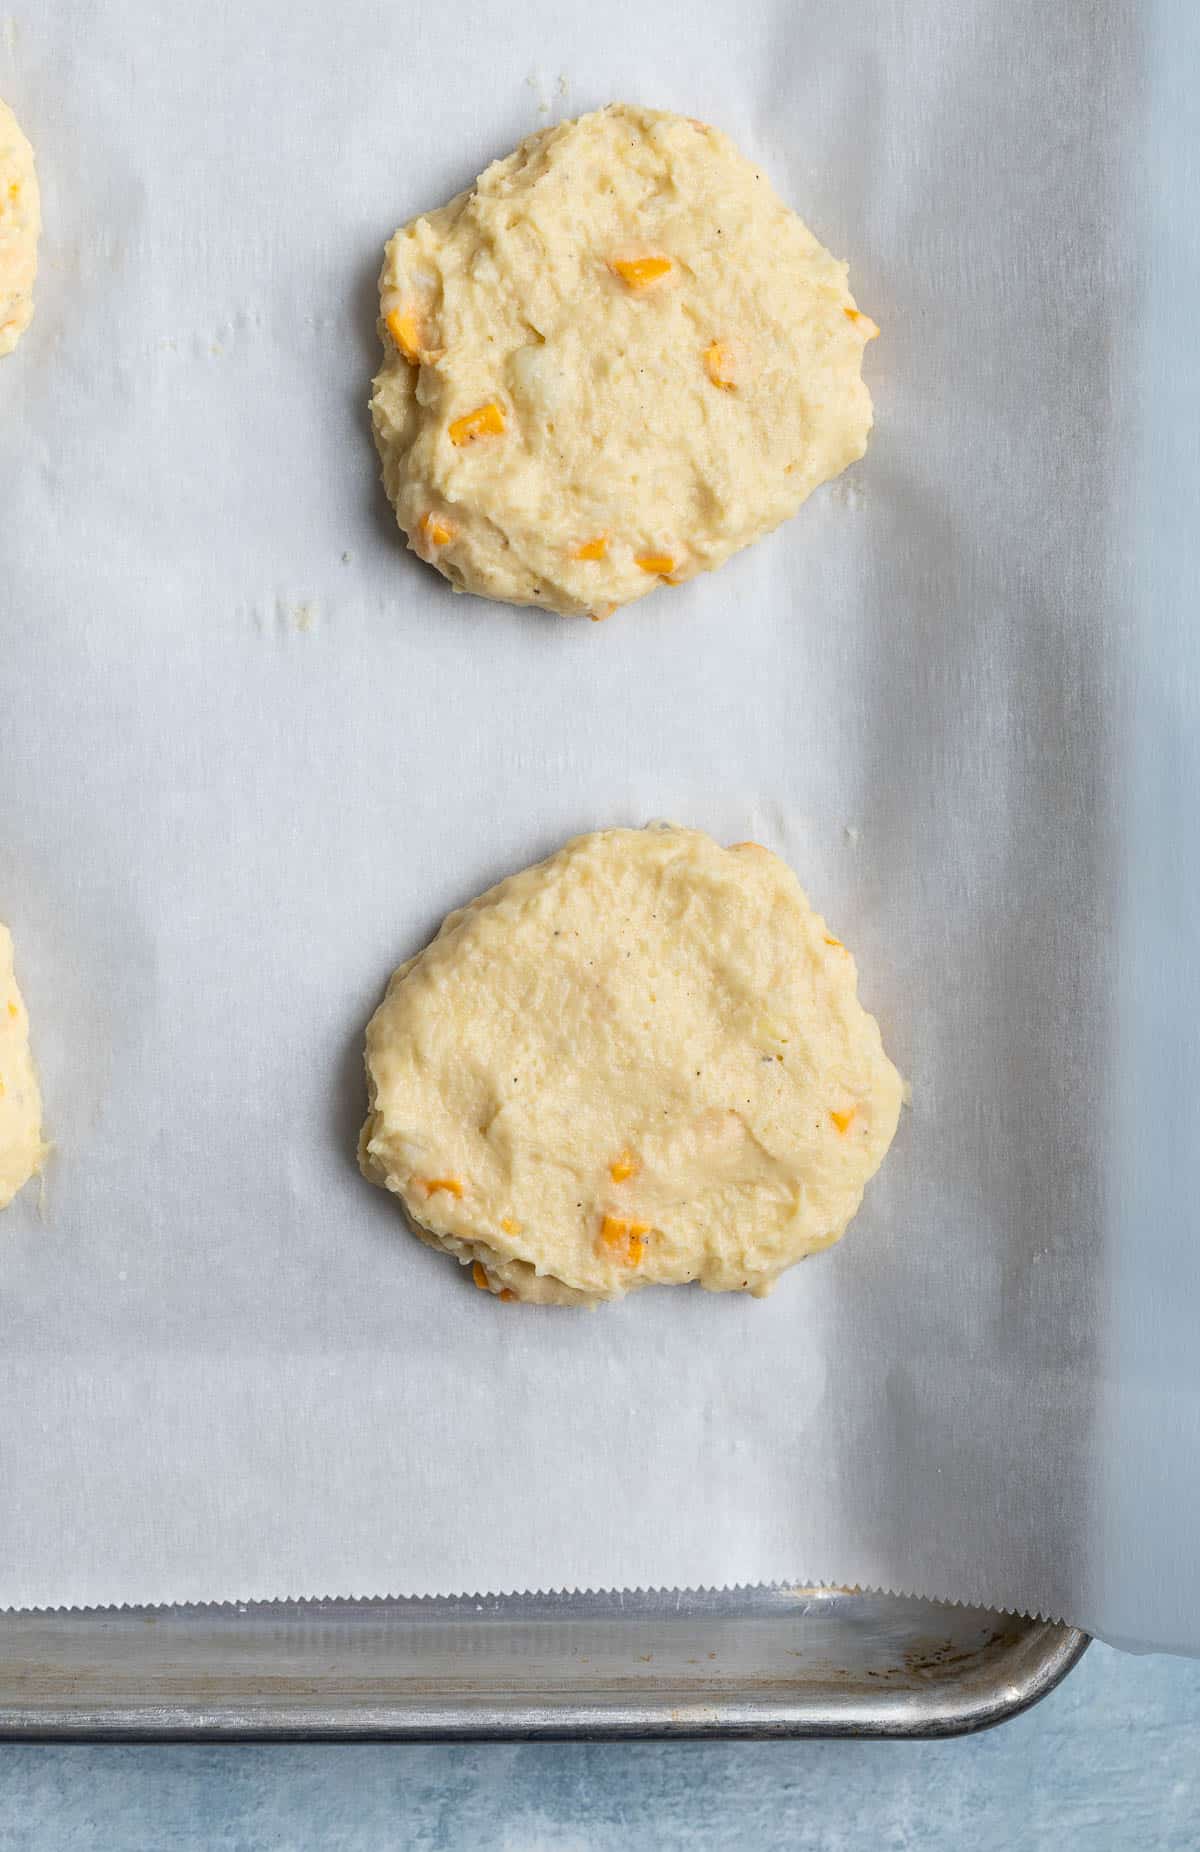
[[251, 752], [743, 1662]]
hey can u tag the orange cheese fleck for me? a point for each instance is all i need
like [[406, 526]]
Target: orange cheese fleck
[[869, 328], [718, 364], [625, 1240], [638, 273], [12, 1008], [829, 940], [435, 530], [509, 1226], [506, 1293], [485, 421], [625, 1166], [658, 563], [431, 1185], [592, 549], [843, 1120], [480, 1277], [405, 331]]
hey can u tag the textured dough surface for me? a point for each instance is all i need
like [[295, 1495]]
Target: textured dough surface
[[20, 224], [668, 419], [21, 1149], [641, 1061]]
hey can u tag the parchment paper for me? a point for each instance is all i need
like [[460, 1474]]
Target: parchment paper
[[251, 752]]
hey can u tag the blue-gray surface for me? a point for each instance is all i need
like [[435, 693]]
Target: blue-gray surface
[[1111, 1760]]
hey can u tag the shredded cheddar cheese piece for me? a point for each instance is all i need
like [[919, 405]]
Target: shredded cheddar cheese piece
[[626, 1240], [431, 1185], [592, 549], [479, 1275], [659, 563], [718, 363], [405, 331], [870, 328], [843, 1120], [829, 940], [625, 1166], [12, 1009], [509, 1226], [435, 530], [485, 421], [637, 273]]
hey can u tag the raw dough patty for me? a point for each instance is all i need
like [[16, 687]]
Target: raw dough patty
[[21, 1149], [642, 1061], [20, 223], [615, 361]]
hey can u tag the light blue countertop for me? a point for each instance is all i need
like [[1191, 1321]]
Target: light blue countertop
[[1109, 1761]]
